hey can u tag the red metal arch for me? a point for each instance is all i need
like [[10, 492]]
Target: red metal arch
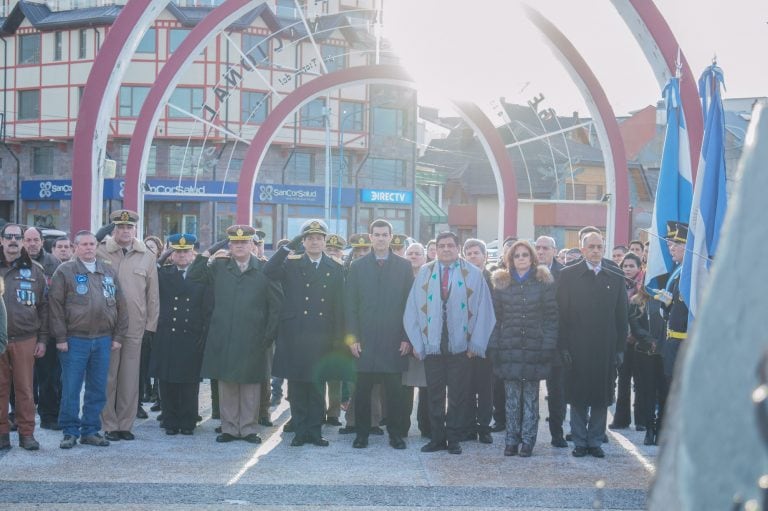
[[501, 163], [617, 227]]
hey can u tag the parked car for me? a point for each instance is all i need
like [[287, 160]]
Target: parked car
[[492, 250]]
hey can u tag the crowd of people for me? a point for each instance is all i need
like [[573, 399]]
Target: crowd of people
[[355, 333]]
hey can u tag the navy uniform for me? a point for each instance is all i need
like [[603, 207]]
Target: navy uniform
[[311, 323], [177, 345], [675, 311]]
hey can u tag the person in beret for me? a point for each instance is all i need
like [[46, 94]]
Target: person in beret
[[136, 268], [311, 327], [177, 345], [242, 328]]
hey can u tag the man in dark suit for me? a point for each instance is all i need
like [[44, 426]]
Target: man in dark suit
[[593, 330], [177, 347], [545, 253], [376, 290], [311, 325]]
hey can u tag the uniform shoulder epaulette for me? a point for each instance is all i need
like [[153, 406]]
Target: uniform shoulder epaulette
[[294, 256], [105, 261]]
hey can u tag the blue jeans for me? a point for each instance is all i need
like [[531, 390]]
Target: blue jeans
[[87, 360]]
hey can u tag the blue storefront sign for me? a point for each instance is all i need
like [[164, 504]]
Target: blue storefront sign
[[386, 196], [189, 190]]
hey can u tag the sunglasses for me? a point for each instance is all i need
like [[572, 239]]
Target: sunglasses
[[13, 237], [523, 255]]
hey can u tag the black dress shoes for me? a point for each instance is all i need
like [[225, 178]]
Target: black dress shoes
[[454, 448], [526, 451], [617, 425], [559, 442], [597, 452], [320, 442], [112, 436], [264, 421], [225, 437], [253, 438], [155, 407], [171, 431], [396, 442], [288, 427], [52, 425], [333, 421], [347, 430], [360, 443], [485, 437], [217, 429], [434, 446], [186, 431], [498, 427], [580, 452], [141, 413], [510, 450], [126, 435], [375, 430], [297, 442]]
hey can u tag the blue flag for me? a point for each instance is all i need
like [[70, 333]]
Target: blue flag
[[674, 192], [709, 198]]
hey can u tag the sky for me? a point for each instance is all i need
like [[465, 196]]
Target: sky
[[486, 49]]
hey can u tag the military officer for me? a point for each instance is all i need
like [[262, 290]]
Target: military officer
[[361, 245], [334, 247], [177, 345], [311, 324], [398, 244]]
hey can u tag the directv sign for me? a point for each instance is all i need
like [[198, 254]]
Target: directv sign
[[386, 196]]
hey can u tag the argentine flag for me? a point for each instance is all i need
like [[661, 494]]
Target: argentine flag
[[709, 198], [674, 192]]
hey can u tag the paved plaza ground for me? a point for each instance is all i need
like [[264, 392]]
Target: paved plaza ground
[[195, 473]]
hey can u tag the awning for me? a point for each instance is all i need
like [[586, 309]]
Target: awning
[[429, 209]]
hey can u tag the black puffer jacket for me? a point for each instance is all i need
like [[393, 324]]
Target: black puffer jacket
[[525, 337]]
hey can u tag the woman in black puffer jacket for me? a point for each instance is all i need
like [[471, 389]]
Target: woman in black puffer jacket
[[524, 340]]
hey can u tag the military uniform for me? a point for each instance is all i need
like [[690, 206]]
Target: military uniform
[[676, 311], [334, 247], [177, 344], [311, 328]]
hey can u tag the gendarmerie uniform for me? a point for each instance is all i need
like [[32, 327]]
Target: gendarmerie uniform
[[178, 343], [676, 312], [311, 326]]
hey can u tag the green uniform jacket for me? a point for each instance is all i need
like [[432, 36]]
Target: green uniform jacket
[[244, 319]]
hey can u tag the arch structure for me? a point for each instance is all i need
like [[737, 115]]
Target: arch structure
[[165, 83], [614, 154], [90, 141], [136, 16], [661, 50]]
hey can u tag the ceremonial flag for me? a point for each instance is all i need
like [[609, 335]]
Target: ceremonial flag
[[674, 192], [709, 197]]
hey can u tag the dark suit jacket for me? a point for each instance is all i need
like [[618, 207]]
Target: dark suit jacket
[[374, 305]]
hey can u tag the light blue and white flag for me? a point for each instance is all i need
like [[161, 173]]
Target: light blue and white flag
[[709, 197], [674, 192]]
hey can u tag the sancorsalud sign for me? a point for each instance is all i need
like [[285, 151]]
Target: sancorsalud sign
[[175, 190], [386, 196]]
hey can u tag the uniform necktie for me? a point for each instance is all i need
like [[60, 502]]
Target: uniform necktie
[[597, 270], [444, 283], [380, 262]]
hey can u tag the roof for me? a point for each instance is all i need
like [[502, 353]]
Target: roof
[[42, 18]]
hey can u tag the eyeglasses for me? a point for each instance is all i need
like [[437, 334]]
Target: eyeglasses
[[13, 237], [542, 247], [522, 255]]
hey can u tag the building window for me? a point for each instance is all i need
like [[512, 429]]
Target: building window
[[183, 161], [29, 49], [82, 43], [189, 99], [29, 104], [58, 45], [334, 57], [313, 114], [301, 168], [176, 36], [399, 218], [286, 9], [42, 161], [351, 116], [151, 162], [148, 43], [42, 213], [131, 100], [256, 47], [388, 121], [384, 173], [254, 107]]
